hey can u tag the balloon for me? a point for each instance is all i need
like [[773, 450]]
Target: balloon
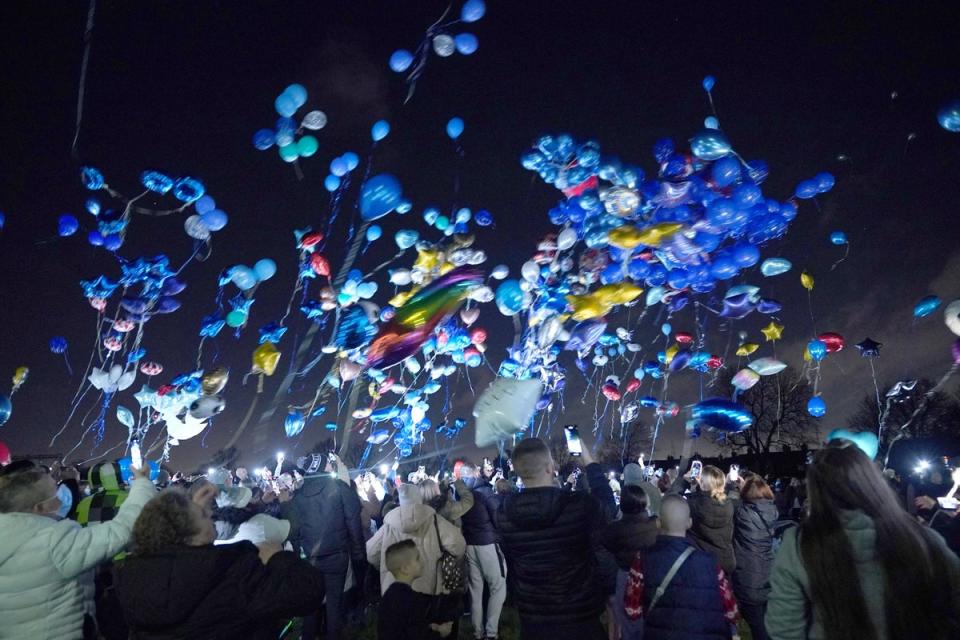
[[151, 369], [483, 218], [95, 238], [294, 422], [264, 139], [838, 238], [400, 60], [816, 406], [472, 10], [817, 349], [5, 455], [775, 266], [530, 271], [504, 409], [125, 416], [265, 358], [443, 45], [454, 128], [807, 281], [466, 43], [406, 238], [206, 407], [566, 239], [509, 297], [331, 183], [949, 116], [866, 441], [926, 306], [501, 271], [6, 408], [708, 82], [767, 366], [236, 318], [307, 146], [380, 130], [869, 348], [721, 415], [379, 196], [314, 121], [289, 152], [20, 376], [806, 189], [285, 105], [214, 220], [772, 331], [951, 317], [747, 348], [745, 379], [373, 233], [67, 225], [244, 277], [58, 344], [710, 144], [725, 171], [264, 269]]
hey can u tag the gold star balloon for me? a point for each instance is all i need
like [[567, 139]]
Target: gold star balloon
[[772, 331]]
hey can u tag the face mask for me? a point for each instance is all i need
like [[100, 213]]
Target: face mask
[[66, 501]]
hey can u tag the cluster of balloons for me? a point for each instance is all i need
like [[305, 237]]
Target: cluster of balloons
[[443, 43], [340, 167], [292, 144], [207, 219]]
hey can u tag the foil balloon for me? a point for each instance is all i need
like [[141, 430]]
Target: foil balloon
[[125, 416], [807, 281], [866, 441], [951, 317], [20, 376], [6, 408], [745, 379], [775, 266], [206, 407], [834, 341], [505, 409], [767, 366], [817, 349], [772, 331], [816, 407], [294, 422], [738, 306], [5, 455], [214, 381], [747, 348], [869, 348], [265, 359], [378, 437], [719, 414], [926, 306], [710, 144]]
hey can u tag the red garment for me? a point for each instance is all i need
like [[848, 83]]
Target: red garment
[[633, 596]]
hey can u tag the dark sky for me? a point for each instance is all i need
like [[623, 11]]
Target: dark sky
[[181, 86]]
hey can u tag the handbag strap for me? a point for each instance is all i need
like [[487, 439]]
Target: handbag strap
[[436, 527], [669, 577]]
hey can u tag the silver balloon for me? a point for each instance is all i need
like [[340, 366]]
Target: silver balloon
[[207, 407], [315, 120], [443, 45], [196, 229]]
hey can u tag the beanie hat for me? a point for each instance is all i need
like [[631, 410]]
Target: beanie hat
[[632, 475]]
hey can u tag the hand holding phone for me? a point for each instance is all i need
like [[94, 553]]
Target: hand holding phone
[[136, 458], [695, 469], [572, 435]]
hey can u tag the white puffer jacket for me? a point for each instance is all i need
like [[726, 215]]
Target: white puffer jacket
[[46, 568]]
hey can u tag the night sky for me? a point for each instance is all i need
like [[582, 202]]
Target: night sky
[[182, 86]]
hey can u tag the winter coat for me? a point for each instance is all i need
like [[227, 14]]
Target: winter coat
[[790, 611], [753, 546], [712, 528], [454, 510], [46, 568], [214, 592], [480, 523], [325, 520], [550, 537], [628, 535], [416, 522], [106, 497]]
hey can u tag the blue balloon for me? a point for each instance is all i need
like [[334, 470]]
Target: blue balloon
[[112, 241], [294, 422], [298, 93], [92, 178], [838, 237], [373, 233], [455, 128], [775, 266], [264, 139], [215, 219], [6, 408], [331, 183], [3, 220], [473, 10], [710, 122], [380, 130], [95, 238], [926, 306], [483, 218], [352, 160], [204, 204], [725, 171], [156, 181], [509, 297], [188, 189], [67, 225], [949, 117], [816, 406], [285, 105], [406, 238], [379, 196], [806, 189], [825, 181], [745, 255], [466, 43], [400, 60], [285, 130], [265, 269], [710, 144], [747, 195], [817, 349], [338, 167], [244, 277], [58, 344], [721, 414], [708, 82], [723, 268]]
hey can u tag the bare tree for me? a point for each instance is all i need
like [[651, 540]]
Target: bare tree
[[779, 407], [625, 444], [936, 415]]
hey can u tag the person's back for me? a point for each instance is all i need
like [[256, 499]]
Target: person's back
[[549, 536], [106, 497], [696, 602], [634, 531], [404, 614], [712, 514], [328, 518]]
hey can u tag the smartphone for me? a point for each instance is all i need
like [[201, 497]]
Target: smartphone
[[136, 458], [734, 473], [696, 468], [572, 434], [948, 503]]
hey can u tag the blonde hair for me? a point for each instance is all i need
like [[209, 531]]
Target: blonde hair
[[429, 489], [713, 483]]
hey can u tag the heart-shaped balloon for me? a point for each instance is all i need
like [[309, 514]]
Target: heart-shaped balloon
[[469, 316], [866, 441]]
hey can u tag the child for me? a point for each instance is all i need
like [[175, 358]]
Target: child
[[405, 614]]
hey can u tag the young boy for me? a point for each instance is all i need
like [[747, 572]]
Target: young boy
[[405, 614]]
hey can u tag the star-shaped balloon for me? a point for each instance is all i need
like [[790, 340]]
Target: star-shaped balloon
[[147, 397], [99, 288], [134, 272], [312, 309], [772, 331], [869, 348], [272, 332], [211, 326], [240, 303], [738, 306]]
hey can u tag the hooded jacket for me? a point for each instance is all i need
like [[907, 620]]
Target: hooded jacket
[[325, 518], [214, 592], [550, 538], [712, 528], [790, 611], [753, 546], [628, 535], [480, 522], [416, 522], [46, 568], [106, 495]]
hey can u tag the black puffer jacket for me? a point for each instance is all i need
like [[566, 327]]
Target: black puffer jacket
[[325, 520], [628, 535], [712, 528], [480, 522], [753, 545], [550, 537], [214, 593]]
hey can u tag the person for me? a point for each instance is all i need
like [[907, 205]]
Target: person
[[405, 614], [550, 537], [753, 535], [858, 566], [325, 523], [712, 514], [46, 563], [438, 497], [677, 589], [413, 520], [107, 494], [633, 476], [178, 584], [485, 562]]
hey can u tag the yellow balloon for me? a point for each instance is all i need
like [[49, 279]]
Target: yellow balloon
[[772, 331], [653, 236], [265, 358], [447, 266], [427, 259], [622, 293], [747, 348], [806, 355], [807, 281], [587, 307], [670, 353], [401, 298], [20, 376], [625, 237], [214, 381]]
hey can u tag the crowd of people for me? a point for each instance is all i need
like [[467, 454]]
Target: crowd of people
[[312, 549]]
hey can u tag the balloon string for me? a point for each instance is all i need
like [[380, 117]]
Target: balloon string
[[66, 359], [87, 41], [84, 434], [813, 322], [876, 389], [845, 254]]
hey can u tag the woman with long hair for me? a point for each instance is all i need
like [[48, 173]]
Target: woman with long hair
[[858, 566], [753, 526], [712, 515]]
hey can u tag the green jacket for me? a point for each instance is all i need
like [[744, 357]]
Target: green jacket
[[790, 612]]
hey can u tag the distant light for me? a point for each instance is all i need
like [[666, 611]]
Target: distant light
[[211, 471], [384, 469], [279, 456]]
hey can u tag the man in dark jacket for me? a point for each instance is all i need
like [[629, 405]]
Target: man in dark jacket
[[697, 603], [325, 525], [485, 561], [550, 537]]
